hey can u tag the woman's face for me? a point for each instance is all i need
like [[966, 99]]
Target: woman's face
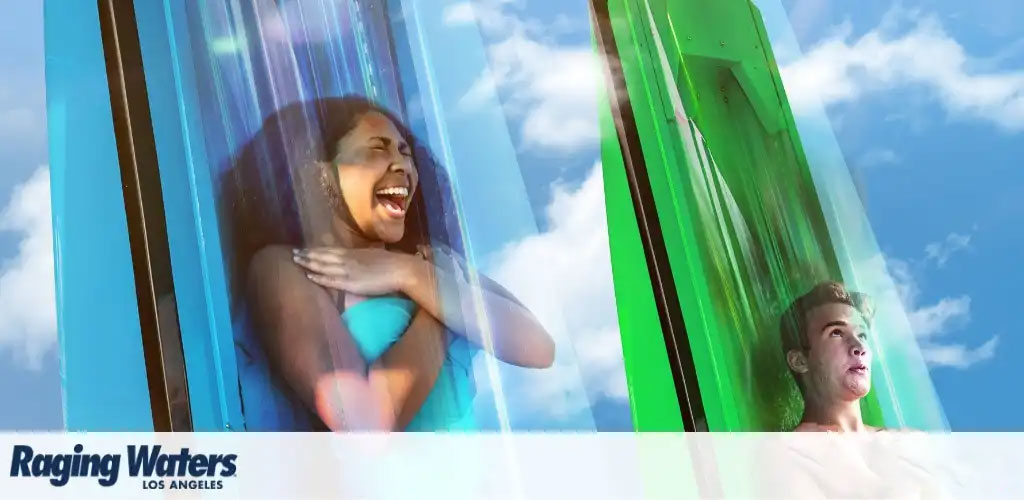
[[377, 177]]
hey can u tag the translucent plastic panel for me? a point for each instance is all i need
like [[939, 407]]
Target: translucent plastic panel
[[445, 192], [911, 117]]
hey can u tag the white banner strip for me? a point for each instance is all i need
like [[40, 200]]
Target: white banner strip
[[421, 466]]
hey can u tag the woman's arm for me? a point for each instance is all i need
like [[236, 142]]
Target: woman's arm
[[516, 336], [444, 292], [308, 344], [409, 369]]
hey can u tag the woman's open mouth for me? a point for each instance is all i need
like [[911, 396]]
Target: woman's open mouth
[[393, 199], [859, 369]]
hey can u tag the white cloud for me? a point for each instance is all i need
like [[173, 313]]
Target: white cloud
[[940, 251], [564, 277], [28, 324], [490, 15], [959, 355], [877, 157], [552, 88], [458, 14], [936, 319], [841, 68], [930, 322]]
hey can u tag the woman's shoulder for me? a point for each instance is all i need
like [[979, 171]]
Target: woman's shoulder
[[272, 254], [274, 258], [273, 265]]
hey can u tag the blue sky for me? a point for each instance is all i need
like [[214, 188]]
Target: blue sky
[[941, 179], [29, 378]]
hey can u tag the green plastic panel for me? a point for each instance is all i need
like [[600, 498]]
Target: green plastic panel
[[652, 391], [739, 212]]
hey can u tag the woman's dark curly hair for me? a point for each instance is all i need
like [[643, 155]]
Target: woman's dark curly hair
[[262, 191]]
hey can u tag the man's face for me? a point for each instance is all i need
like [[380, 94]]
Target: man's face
[[838, 363]]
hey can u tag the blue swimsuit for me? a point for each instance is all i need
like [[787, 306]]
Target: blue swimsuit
[[375, 325]]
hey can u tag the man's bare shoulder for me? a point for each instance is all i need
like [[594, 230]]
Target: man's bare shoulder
[[814, 427], [810, 427]]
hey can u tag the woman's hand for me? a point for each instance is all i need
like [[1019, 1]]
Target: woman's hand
[[364, 271], [516, 337]]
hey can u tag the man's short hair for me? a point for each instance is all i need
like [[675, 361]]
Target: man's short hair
[[793, 324]]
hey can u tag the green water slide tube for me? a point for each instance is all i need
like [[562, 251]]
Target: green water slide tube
[[702, 128]]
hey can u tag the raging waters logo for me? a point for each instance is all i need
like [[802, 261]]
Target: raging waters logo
[[159, 470]]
